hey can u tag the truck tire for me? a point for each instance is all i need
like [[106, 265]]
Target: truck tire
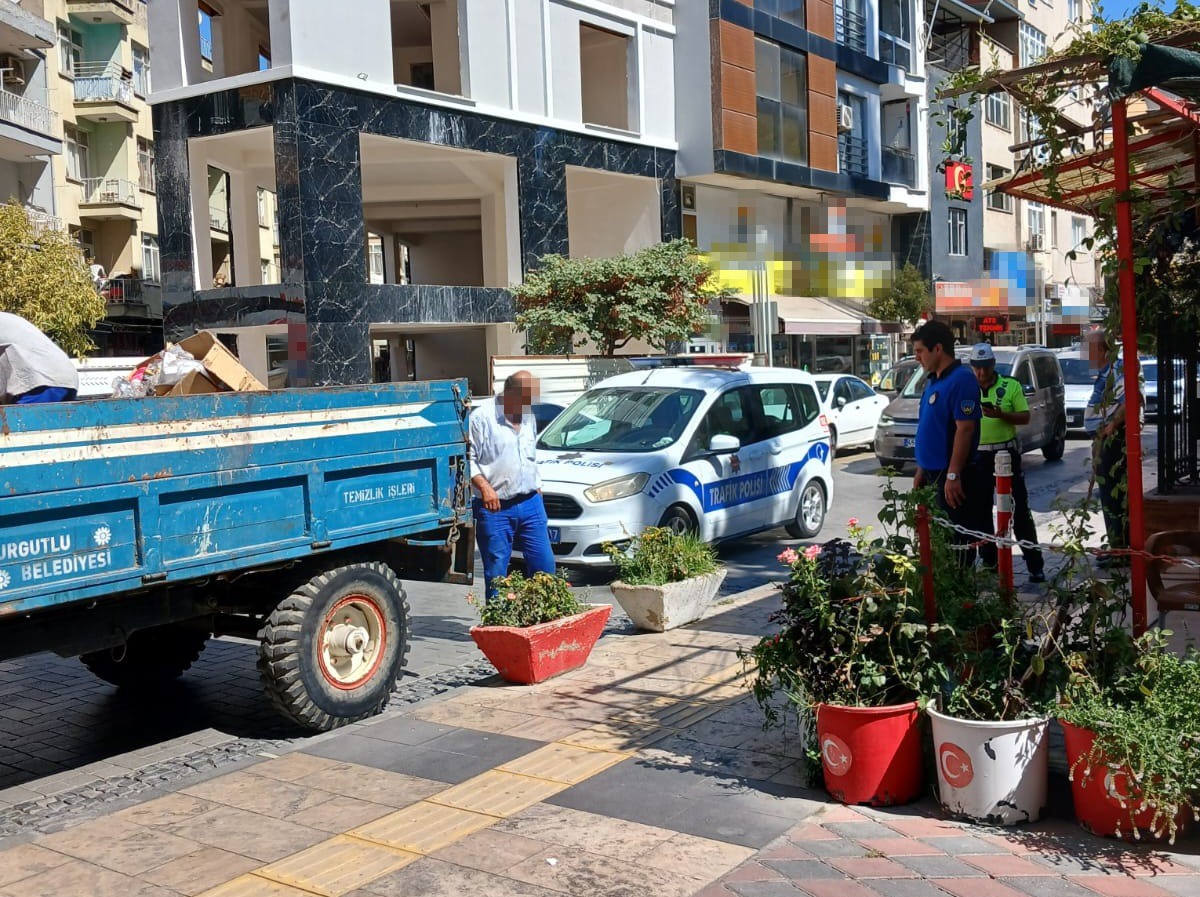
[[331, 651], [150, 657]]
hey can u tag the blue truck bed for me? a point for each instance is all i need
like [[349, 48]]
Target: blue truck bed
[[104, 497]]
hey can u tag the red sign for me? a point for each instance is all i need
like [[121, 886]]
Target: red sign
[[992, 324], [960, 182]]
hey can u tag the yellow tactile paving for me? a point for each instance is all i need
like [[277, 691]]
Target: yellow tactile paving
[[253, 886], [566, 763], [618, 736], [424, 827], [682, 715], [337, 866], [730, 675], [497, 793]]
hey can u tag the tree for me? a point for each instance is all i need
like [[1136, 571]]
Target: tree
[[658, 294], [905, 299], [43, 279]]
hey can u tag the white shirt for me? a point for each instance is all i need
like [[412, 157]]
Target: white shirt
[[29, 359], [506, 457]]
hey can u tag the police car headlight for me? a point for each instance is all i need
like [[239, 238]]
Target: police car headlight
[[618, 488]]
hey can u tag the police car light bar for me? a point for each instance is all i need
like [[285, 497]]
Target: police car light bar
[[733, 361]]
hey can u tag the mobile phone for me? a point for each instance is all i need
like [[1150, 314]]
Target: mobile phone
[[988, 405]]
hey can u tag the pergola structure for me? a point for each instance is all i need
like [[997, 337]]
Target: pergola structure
[[1149, 159]]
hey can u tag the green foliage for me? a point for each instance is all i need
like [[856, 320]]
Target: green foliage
[[521, 602], [908, 296], [44, 280], [658, 556], [659, 294]]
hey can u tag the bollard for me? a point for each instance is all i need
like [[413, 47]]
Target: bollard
[[1004, 515], [925, 546]]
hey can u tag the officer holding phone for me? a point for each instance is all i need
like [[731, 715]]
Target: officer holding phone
[[1004, 409]]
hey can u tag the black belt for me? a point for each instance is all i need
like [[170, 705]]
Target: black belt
[[515, 500]]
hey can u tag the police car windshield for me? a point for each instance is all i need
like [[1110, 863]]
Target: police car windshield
[[623, 419]]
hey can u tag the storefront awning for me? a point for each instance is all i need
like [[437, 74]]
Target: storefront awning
[[822, 316]]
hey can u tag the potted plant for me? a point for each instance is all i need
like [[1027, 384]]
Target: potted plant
[[536, 628], [665, 579], [854, 658]]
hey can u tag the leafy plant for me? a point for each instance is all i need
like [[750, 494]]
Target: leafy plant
[[522, 601], [908, 295], [659, 294], [657, 556], [44, 280]]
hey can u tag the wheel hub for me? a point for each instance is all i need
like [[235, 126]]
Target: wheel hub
[[350, 643]]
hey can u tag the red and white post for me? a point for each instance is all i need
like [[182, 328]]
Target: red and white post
[[1004, 515]]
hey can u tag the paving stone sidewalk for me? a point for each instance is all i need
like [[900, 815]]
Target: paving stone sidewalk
[[646, 772]]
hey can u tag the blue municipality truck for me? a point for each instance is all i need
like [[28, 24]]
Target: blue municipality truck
[[134, 530]]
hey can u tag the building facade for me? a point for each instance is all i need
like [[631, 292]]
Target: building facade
[[421, 157]]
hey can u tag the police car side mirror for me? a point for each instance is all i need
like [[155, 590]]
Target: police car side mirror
[[722, 444]]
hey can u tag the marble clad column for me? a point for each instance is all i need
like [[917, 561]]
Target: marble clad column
[[542, 188], [173, 188]]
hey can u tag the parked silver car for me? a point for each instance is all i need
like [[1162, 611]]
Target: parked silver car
[[1034, 367]]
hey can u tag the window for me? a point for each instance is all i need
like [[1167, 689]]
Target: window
[[958, 232], [1033, 44], [956, 134], [997, 110], [729, 416], [810, 408], [781, 86], [788, 10], [1047, 370], [141, 71], [1078, 233], [206, 14], [1054, 230], [1074, 10], [1024, 375], [1035, 216], [76, 153], [895, 33], [264, 59], [151, 269], [604, 77], [997, 201], [265, 268], [859, 390], [145, 165], [263, 221], [70, 49], [781, 410]]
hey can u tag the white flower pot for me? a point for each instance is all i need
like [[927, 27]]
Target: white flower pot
[[992, 772], [659, 608]]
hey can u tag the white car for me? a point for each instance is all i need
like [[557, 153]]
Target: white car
[[851, 407], [717, 451]]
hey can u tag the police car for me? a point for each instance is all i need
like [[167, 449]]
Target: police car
[[721, 452]]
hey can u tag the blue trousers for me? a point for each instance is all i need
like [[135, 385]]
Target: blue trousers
[[41, 394], [519, 524]]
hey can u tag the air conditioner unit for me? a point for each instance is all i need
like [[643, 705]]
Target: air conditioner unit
[[1036, 242], [845, 117], [13, 69]]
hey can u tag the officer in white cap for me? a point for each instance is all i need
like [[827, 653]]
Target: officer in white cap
[[1002, 401]]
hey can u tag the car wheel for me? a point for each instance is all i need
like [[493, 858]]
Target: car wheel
[[678, 520], [1053, 450], [810, 512]]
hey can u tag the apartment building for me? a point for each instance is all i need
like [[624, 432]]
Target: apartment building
[[802, 135], [422, 155]]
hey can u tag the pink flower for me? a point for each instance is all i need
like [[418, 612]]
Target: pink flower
[[511, 596], [853, 521], [812, 551], [788, 556]]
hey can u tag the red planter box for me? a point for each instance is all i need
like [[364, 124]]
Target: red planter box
[[537, 653]]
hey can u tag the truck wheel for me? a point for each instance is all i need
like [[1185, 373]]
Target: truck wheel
[[331, 651], [150, 657]]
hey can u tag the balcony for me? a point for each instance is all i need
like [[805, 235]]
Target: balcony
[[110, 199], [40, 221], [850, 25], [899, 167], [104, 12], [104, 92], [27, 128], [852, 155]]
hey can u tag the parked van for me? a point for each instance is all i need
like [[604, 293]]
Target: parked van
[[1034, 367], [717, 451]]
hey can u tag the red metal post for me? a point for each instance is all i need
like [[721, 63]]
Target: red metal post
[[925, 546], [1004, 513], [1133, 398]]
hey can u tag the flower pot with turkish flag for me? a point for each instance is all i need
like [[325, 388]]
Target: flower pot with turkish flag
[[871, 755]]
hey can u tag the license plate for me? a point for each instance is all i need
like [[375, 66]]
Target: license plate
[[555, 534], [909, 442]]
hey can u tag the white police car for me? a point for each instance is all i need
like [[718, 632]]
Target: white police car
[[719, 451]]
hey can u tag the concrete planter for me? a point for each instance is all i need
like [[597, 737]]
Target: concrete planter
[[659, 608], [992, 772], [536, 653]]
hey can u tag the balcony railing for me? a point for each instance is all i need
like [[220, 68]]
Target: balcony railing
[[41, 221], [102, 82], [899, 167], [98, 191], [218, 218], [852, 155], [122, 290], [851, 28], [141, 13], [28, 114]]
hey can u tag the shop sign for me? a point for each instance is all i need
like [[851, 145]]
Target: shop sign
[[960, 183], [992, 324]]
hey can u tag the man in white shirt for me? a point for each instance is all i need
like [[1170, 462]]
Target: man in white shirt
[[32, 368], [507, 486]]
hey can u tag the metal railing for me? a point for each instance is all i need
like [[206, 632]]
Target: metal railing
[[895, 51], [102, 82], [42, 221], [1178, 409], [852, 154], [28, 114], [899, 167], [850, 26], [141, 13], [99, 191], [218, 218], [121, 290]]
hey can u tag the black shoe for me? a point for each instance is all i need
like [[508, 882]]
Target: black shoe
[[1038, 577]]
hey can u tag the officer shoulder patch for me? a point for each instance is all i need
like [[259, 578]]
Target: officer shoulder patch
[[967, 406]]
